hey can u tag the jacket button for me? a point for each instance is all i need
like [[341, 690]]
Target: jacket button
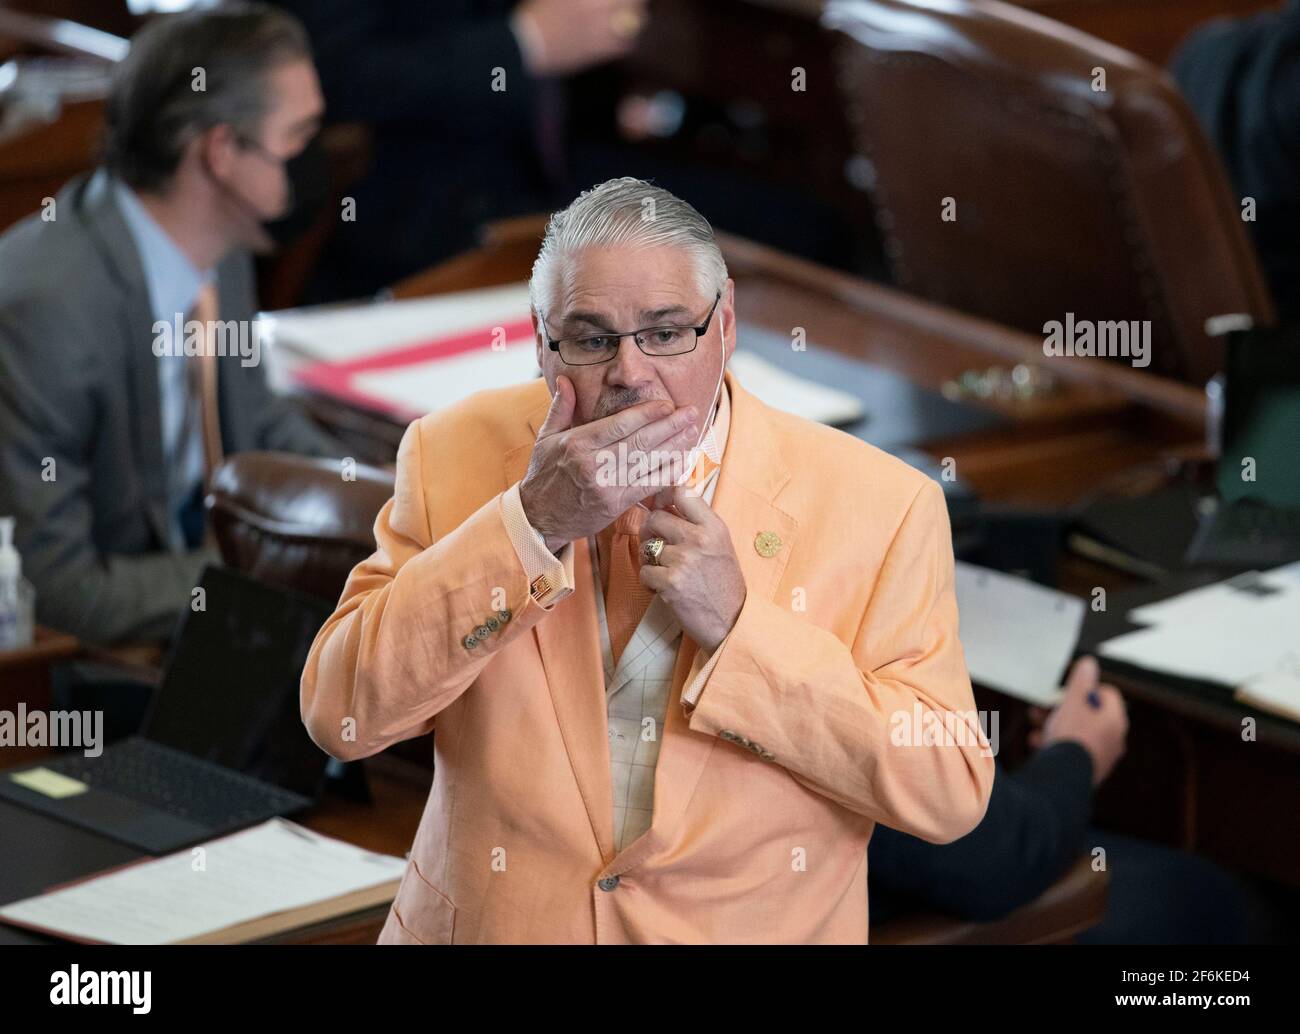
[[482, 632], [767, 755], [504, 615], [728, 735], [608, 883], [493, 624], [469, 642], [756, 748]]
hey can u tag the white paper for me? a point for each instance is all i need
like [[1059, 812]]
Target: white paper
[[1230, 632], [1214, 599], [342, 333], [1017, 636], [1276, 691], [782, 390], [270, 868], [428, 387]]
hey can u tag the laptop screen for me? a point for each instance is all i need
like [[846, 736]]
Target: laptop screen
[[1261, 432], [230, 692]]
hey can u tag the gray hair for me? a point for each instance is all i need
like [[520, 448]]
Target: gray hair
[[154, 109], [629, 211]]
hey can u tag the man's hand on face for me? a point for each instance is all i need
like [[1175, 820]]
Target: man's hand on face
[[560, 493], [697, 573]]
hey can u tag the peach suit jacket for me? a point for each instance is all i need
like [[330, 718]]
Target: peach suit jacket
[[851, 623]]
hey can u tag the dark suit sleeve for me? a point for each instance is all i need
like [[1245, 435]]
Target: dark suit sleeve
[[1031, 833], [379, 67], [47, 437]]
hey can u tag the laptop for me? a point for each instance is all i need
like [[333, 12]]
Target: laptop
[[1255, 521], [223, 745]]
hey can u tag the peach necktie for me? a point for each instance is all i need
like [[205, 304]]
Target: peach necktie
[[626, 599]]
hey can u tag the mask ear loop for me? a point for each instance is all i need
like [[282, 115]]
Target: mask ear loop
[[706, 435]]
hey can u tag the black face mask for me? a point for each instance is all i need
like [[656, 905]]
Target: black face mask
[[309, 186], [307, 173]]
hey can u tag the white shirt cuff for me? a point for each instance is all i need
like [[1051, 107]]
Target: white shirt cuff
[[550, 577], [691, 694]]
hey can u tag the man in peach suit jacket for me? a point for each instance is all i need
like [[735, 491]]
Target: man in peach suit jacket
[[794, 599]]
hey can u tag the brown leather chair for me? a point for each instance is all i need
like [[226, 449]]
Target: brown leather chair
[[1105, 203], [296, 522]]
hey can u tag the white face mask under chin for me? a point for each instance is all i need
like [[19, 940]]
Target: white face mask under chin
[[708, 442]]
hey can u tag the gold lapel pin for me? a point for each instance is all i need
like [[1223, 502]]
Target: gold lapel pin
[[767, 544]]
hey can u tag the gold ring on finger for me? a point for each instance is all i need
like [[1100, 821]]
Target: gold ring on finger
[[651, 550]]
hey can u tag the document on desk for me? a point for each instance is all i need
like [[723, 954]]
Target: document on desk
[[264, 880], [1276, 691], [1017, 635], [1230, 633]]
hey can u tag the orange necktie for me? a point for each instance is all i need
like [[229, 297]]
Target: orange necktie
[[626, 599], [203, 373]]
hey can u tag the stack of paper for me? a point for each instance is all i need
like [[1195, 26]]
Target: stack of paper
[[1017, 636], [1243, 633], [274, 877]]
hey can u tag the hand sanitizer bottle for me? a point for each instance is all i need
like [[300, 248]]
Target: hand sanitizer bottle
[[17, 597]]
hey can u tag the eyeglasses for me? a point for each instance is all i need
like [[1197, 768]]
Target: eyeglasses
[[653, 341]]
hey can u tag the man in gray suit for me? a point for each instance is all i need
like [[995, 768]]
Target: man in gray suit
[[101, 437]]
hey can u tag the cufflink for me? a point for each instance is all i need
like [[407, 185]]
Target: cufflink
[[541, 587]]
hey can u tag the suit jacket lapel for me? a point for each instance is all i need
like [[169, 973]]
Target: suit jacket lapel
[[118, 252]]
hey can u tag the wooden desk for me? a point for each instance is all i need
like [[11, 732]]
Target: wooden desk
[[58, 853]]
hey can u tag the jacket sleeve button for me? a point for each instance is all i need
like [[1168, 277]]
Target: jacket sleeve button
[[469, 642]]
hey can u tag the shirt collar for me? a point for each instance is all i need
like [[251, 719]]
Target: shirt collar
[[172, 280]]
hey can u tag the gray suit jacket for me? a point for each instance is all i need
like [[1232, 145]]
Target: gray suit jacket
[[81, 462]]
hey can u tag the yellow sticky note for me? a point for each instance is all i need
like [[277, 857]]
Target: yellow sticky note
[[52, 784]]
